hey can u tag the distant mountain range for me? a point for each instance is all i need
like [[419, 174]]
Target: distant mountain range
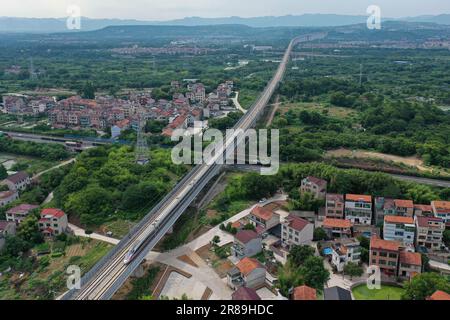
[[47, 25]]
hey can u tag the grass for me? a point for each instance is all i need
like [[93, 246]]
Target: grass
[[120, 228], [385, 293], [141, 286]]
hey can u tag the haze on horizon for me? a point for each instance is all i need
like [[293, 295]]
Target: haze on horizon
[[177, 9]]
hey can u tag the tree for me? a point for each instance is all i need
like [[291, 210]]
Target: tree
[[3, 172], [299, 254], [424, 285], [319, 234], [88, 91], [216, 240], [28, 230], [249, 226], [353, 270], [314, 273], [447, 238]]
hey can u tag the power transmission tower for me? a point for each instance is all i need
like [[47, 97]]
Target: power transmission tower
[[142, 151]]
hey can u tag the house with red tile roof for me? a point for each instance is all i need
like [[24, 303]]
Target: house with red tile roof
[[304, 293], [263, 218], [119, 127], [385, 255], [429, 232], [247, 243], [441, 209], [410, 264], [404, 207], [344, 251], [53, 222], [423, 210], [20, 212], [248, 272], [336, 228], [439, 296], [245, 294], [317, 187], [399, 228], [358, 209], [296, 231]]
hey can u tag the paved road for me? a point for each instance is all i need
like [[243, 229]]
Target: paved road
[[237, 104]]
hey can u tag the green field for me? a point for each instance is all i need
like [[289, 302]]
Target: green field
[[385, 293]]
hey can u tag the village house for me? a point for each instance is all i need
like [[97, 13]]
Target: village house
[[263, 219], [337, 228], [6, 197], [404, 208], [423, 210], [247, 243], [439, 296], [383, 207], [19, 213], [399, 228], [248, 272], [429, 233], [119, 128], [358, 209], [334, 206], [410, 264], [337, 293], [345, 250], [17, 181], [304, 293], [385, 255], [245, 294], [53, 222], [7, 228], [296, 231], [317, 187], [441, 209]]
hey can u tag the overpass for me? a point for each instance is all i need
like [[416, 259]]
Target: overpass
[[109, 274]]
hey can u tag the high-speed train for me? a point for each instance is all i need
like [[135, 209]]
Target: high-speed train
[[129, 257]]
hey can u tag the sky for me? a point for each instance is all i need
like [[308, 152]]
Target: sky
[[176, 9]]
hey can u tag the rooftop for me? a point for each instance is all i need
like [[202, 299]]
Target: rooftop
[[262, 213], [22, 208], [441, 206], [404, 203], [424, 222], [304, 293], [335, 197], [337, 223], [244, 293], [358, 198], [296, 223], [377, 243], [246, 236], [247, 265], [57, 213], [440, 296], [317, 181], [17, 177], [398, 220], [412, 258], [337, 293]]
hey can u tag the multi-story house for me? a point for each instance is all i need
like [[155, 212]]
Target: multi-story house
[[334, 206], [247, 243], [441, 209], [383, 207], [410, 264], [423, 210], [385, 255], [358, 209], [337, 228], [429, 233], [263, 219], [249, 273], [6, 197], [304, 293], [17, 181], [53, 222], [19, 213], [317, 187], [399, 228], [344, 251], [404, 207], [296, 231]]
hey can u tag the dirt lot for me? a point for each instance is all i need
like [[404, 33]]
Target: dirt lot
[[221, 266], [413, 162]]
